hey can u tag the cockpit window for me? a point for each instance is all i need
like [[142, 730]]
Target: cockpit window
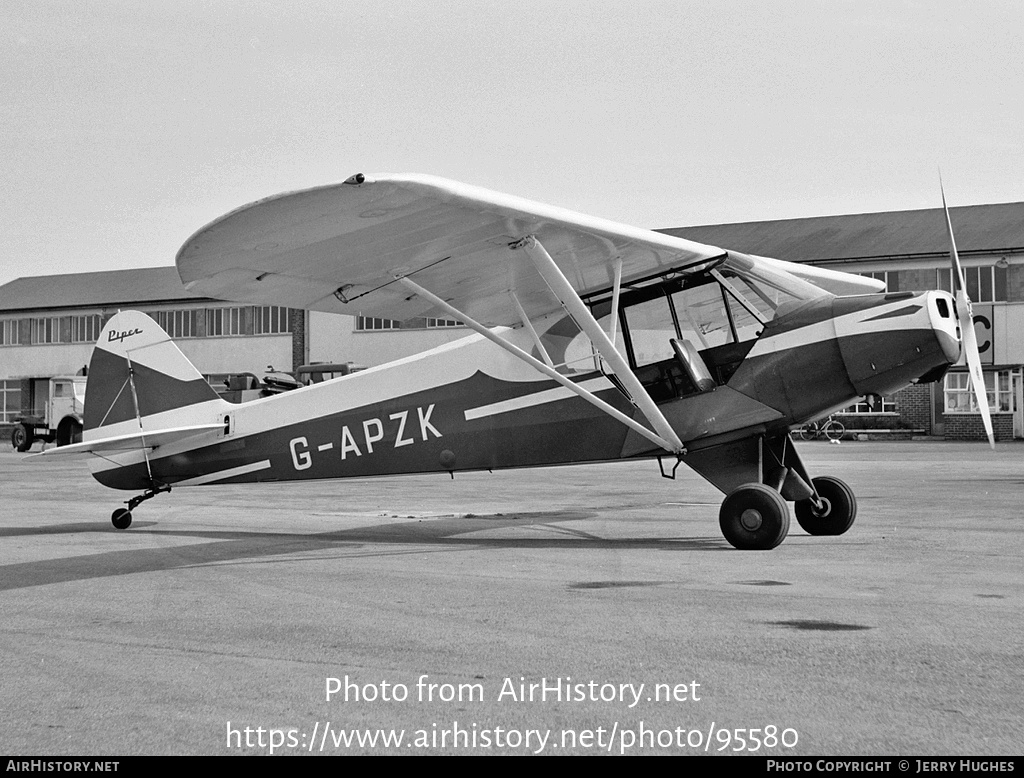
[[651, 328], [707, 311], [703, 318]]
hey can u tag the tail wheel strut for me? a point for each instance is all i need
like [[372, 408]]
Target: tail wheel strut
[[122, 517]]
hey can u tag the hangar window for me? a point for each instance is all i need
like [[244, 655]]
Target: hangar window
[[984, 284], [872, 403], [10, 400], [47, 330], [177, 324], [441, 323], [891, 279], [1000, 386], [371, 324], [51, 329], [86, 329], [223, 322], [272, 320]]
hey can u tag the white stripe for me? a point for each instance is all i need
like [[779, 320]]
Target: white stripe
[[854, 323], [210, 478], [537, 398]]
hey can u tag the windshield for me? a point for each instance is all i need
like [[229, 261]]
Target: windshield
[[717, 308]]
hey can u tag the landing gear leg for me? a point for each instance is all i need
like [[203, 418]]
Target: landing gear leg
[[122, 517]]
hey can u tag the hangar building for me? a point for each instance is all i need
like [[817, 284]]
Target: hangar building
[[48, 324]]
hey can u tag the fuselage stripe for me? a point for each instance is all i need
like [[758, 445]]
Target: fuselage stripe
[[535, 399], [221, 475]]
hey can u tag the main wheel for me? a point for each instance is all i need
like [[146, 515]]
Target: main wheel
[[834, 430], [21, 438], [809, 431], [121, 518], [838, 511], [754, 517]]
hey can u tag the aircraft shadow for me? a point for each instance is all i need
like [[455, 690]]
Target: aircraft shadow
[[232, 546]]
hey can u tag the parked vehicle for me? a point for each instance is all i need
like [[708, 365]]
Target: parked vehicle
[[51, 411]]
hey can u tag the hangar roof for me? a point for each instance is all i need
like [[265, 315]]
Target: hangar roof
[[90, 290], [978, 228]]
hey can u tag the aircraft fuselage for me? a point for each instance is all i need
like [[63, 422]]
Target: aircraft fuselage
[[472, 406]]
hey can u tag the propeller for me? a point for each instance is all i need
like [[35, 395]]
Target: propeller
[[965, 314]]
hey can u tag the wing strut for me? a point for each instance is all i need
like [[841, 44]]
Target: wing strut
[[531, 329], [576, 308], [616, 288], [676, 447]]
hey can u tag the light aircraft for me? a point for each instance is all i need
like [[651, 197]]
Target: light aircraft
[[593, 342]]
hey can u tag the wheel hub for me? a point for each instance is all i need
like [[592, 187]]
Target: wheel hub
[[751, 519]]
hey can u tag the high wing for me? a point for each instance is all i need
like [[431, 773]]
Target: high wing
[[341, 249]]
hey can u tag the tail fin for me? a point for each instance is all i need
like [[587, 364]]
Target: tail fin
[[137, 371]]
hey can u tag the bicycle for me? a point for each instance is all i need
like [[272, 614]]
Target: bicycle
[[827, 427]]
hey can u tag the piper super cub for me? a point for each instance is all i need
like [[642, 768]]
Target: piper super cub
[[593, 342]]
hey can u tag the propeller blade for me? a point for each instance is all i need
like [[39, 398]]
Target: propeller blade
[[965, 313]]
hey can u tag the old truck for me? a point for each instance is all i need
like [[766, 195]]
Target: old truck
[[51, 411]]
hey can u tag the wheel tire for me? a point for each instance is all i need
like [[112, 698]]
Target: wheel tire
[[808, 431], [121, 518], [21, 438], [834, 430], [840, 508], [754, 517]]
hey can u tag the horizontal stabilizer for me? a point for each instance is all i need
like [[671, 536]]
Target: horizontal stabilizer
[[134, 442]]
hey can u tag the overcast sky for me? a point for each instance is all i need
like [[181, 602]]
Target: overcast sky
[[126, 126]]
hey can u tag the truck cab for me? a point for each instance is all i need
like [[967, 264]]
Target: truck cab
[[51, 411]]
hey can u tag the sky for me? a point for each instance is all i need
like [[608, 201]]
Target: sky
[[127, 126]]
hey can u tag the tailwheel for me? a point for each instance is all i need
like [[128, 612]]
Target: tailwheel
[[836, 512], [754, 517], [121, 518]]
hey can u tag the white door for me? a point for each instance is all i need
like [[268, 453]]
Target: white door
[[62, 402], [1018, 403]]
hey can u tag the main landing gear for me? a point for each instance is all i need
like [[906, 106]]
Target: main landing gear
[[121, 518], [760, 476], [756, 516]]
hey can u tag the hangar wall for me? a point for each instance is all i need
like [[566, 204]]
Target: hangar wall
[[334, 338]]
